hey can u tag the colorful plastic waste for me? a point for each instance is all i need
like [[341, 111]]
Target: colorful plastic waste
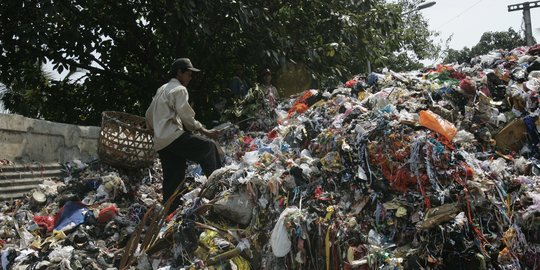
[[436, 168]]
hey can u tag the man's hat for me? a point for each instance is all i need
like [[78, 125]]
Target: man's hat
[[183, 63]]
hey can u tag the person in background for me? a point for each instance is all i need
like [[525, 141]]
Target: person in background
[[173, 121], [238, 85], [270, 92]]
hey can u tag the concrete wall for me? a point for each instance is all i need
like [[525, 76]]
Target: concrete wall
[[25, 139]]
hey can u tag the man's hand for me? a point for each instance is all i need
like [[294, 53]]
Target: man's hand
[[212, 133]]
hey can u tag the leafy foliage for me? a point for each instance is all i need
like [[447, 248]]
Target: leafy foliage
[[124, 48], [489, 41], [411, 41]]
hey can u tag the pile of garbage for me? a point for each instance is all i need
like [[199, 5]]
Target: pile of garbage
[[81, 221], [430, 169], [254, 112]]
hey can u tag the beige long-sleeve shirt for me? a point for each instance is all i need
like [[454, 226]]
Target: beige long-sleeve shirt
[[169, 113]]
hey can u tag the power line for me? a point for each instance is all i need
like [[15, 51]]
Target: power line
[[457, 16]]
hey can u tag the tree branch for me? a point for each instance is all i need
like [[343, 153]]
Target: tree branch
[[60, 59]]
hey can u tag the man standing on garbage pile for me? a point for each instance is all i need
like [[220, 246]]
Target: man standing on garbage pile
[[173, 121]]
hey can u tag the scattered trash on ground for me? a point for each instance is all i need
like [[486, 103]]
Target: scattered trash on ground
[[430, 169]]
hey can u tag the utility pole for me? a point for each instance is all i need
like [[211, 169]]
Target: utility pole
[[526, 7]]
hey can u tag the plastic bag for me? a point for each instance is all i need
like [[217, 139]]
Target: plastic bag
[[251, 158], [499, 168], [111, 187], [463, 136], [436, 123], [45, 221], [407, 117], [235, 206], [71, 215], [27, 254], [281, 244], [26, 237], [7, 258], [468, 87], [59, 254], [107, 213]]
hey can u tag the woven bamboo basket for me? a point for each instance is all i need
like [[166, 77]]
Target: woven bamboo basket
[[124, 141]]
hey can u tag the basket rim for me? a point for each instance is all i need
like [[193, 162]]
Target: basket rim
[[109, 115]]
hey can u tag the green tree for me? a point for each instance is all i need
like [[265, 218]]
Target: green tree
[[411, 42], [459, 56], [125, 47], [489, 41]]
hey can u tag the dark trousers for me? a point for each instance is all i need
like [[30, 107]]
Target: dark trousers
[[173, 161]]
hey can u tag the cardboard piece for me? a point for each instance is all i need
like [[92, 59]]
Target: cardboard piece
[[513, 136]]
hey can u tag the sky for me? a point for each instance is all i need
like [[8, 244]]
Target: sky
[[467, 20]]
